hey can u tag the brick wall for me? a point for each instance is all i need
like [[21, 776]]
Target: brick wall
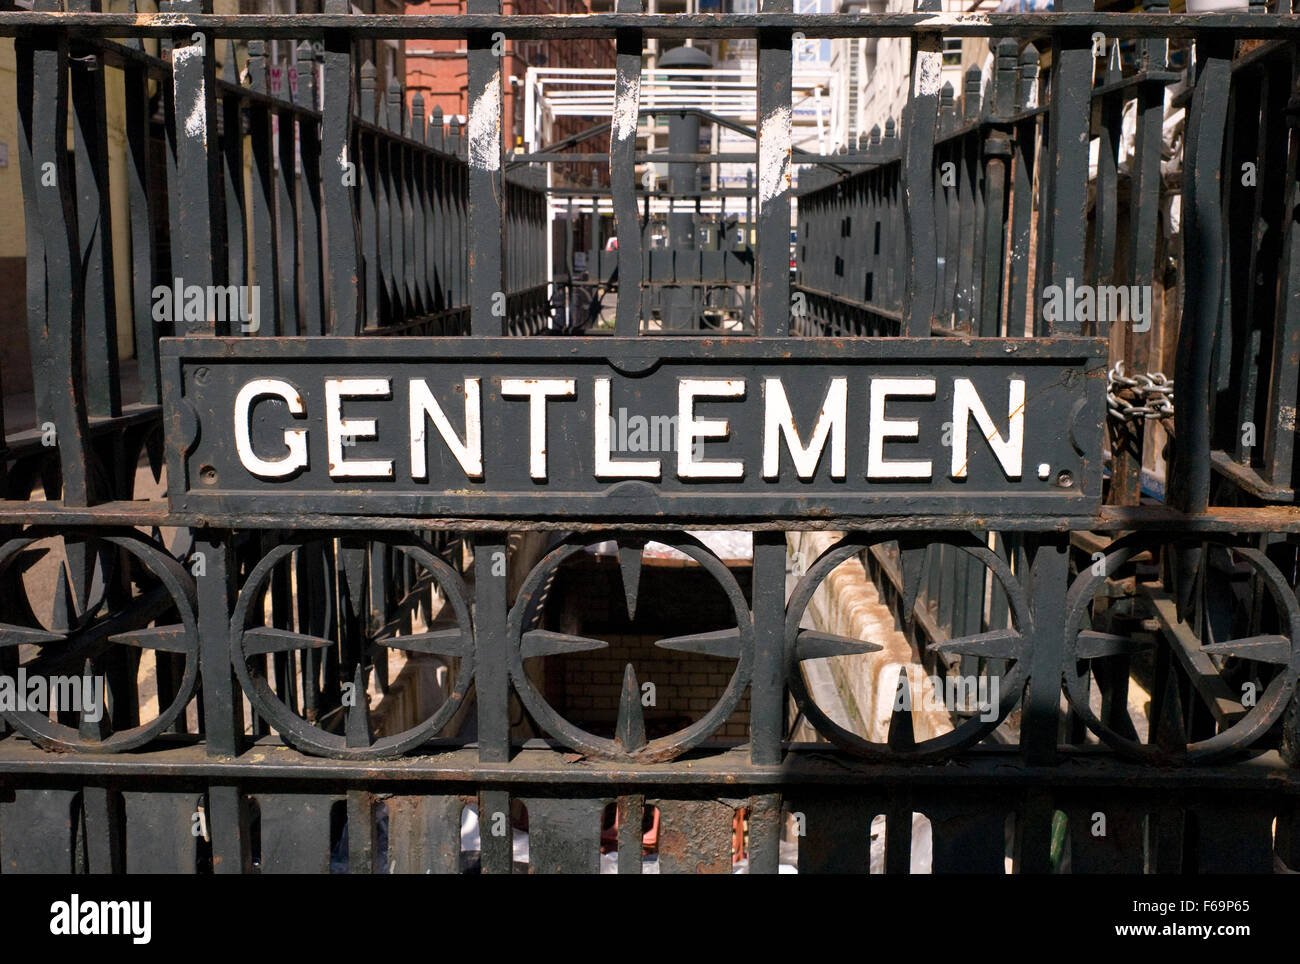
[[685, 686], [437, 70], [675, 598]]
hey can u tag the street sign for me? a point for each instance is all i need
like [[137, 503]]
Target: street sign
[[730, 428]]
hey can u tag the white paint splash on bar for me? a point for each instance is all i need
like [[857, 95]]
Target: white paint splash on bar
[[953, 20], [166, 20], [929, 73], [196, 122], [626, 102], [774, 155], [485, 127]]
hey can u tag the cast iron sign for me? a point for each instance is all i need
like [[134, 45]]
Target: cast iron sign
[[623, 428]]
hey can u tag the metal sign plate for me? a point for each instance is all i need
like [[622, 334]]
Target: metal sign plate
[[662, 427]]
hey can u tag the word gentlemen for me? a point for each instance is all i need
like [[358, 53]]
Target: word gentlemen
[[380, 426]]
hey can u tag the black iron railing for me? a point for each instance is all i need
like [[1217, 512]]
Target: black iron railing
[[237, 639]]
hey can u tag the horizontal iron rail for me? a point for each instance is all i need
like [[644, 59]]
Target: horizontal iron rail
[[663, 26], [1111, 518], [806, 764]]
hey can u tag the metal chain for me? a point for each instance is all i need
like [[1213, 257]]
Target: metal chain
[[1140, 397]]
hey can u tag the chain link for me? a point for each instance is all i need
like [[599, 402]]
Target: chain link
[[1140, 397]]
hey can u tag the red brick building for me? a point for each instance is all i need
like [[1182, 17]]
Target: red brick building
[[437, 69]]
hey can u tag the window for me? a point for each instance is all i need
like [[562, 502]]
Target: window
[[952, 51]]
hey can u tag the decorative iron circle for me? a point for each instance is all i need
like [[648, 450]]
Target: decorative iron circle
[[182, 638], [1291, 732], [586, 742], [305, 735], [965, 733], [1257, 720]]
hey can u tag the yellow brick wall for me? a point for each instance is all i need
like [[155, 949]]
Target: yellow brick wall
[[685, 686]]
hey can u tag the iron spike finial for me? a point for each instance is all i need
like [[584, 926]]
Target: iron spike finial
[[902, 736], [92, 730], [629, 730], [629, 564], [357, 724]]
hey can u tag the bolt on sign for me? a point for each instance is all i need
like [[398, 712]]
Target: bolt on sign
[[730, 428]]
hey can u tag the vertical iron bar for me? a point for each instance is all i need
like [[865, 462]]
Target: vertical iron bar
[[339, 177], [263, 217], [1279, 432], [496, 833], [140, 206], [485, 170], [1040, 720], [287, 215], [56, 316], [232, 166], [310, 197], [491, 669], [1189, 485], [1064, 224], [95, 226], [368, 173], [197, 211], [920, 117], [767, 691], [622, 175], [772, 262], [632, 808]]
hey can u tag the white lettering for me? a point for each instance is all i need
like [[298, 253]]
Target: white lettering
[[882, 428], [689, 428], [336, 427], [537, 390], [607, 467], [778, 420], [424, 406], [295, 440], [965, 403]]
